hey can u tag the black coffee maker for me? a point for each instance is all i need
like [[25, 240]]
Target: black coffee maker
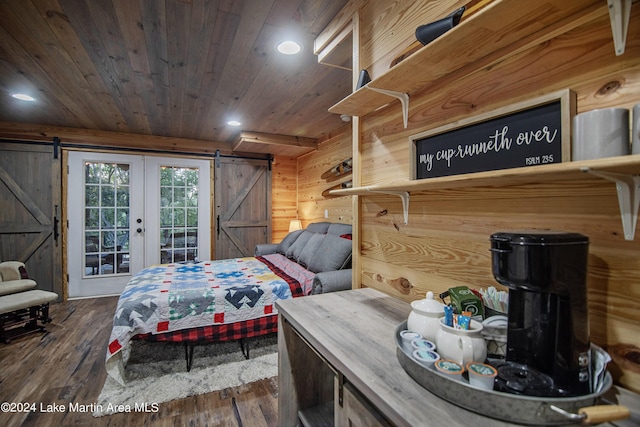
[[548, 348]]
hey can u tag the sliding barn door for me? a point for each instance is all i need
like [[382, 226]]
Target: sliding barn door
[[30, 192], [242, 206]]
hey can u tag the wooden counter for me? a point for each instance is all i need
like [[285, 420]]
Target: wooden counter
[[339, 347]]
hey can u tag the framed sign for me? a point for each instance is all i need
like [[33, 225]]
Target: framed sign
[[529, 133]]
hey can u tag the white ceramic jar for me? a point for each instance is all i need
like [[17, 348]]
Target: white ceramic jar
[[461, 345], [425, 317]]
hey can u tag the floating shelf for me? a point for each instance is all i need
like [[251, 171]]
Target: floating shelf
[[505, 27], [624, 171]]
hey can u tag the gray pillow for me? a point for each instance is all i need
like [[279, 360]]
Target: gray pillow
[[296, 248], [339, 229], [318, 227], [310, 250], [288, 240], [333, 253]]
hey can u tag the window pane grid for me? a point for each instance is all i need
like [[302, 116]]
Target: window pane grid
[[106, 219], [178, 214]]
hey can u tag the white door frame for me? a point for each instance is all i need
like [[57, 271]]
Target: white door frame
[[81, 285], [152, 203], [144, 204]]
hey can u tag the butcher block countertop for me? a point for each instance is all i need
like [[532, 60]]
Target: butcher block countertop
[[353, 331]]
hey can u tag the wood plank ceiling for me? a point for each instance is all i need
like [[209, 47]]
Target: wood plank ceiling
[[177, 68]]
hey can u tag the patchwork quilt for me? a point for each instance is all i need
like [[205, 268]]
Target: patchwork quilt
[[175, 297]]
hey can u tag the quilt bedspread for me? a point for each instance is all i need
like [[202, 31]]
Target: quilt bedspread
[[172, 297]]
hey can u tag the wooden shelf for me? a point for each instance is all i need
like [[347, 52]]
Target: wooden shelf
[[501, 29], [627, 165], [321, 415], [624, 171]]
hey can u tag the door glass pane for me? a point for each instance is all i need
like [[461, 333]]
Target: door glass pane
[[106, 218], [178, 214]]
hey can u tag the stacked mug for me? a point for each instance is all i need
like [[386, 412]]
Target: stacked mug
[[605, 133]]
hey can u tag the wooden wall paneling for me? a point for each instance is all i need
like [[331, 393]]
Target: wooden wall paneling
[[311, 203], [389, 27], [599, 78], [446, 242], [284, 188]]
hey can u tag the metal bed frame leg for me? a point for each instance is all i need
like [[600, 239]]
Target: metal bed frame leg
[[188, 352], [245, 352]]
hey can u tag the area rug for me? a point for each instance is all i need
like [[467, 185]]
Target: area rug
[[157, 372]]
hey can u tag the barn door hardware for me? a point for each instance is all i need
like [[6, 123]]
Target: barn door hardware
[[56, 147], [56, 221]]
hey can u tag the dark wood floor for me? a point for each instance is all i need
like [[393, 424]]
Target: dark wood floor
[[66, 364]]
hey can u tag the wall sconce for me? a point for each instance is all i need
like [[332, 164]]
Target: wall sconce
[[294, 225]]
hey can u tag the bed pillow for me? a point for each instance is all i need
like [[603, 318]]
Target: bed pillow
[[311, 250], [296, 248], [288, 240], [339, 229], [318, 227], [332, 253]]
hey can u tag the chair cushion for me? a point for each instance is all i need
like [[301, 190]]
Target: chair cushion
[[13, 302], [13, 286]]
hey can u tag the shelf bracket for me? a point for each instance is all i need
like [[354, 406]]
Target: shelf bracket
[[404, 195], [628, 189], [619, 13], [404, 101]]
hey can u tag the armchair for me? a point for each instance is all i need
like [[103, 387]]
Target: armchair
[[13, 278], [21, 305]]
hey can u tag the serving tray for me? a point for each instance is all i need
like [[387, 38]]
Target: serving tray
[[509, 407]]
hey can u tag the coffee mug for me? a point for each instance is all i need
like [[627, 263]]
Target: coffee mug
[[635, 139], [600, 133]]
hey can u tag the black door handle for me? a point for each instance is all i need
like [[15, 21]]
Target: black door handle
[[56, 221], [218, 226], [55, 228]]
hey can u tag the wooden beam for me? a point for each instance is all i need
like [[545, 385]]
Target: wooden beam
[[75, 136], [273, 139]]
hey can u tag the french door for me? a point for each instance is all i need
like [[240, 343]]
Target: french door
[[126, 212]]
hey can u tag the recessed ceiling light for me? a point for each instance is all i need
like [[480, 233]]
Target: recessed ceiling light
[[289, 47], [234, 123], [23, 97]]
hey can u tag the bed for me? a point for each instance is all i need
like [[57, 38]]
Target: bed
[[208, 301]]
